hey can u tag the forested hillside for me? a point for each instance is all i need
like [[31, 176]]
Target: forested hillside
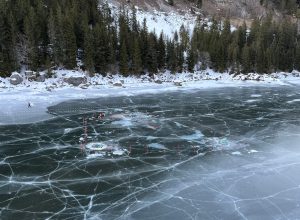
[[41, 35]]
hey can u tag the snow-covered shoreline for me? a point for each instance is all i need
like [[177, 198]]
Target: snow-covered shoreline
[[14, 99]]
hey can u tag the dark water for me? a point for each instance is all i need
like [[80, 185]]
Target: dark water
[[210, 154]]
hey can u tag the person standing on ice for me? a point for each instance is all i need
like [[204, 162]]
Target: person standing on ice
[[29, 105]]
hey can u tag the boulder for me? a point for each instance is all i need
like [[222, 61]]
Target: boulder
[[50, 88], [118, 84], [158, 81], [30, 75], [84, 86], [16, 79], [41, 78], [296, 74], [178, 83], [244, 78], [75, 80]]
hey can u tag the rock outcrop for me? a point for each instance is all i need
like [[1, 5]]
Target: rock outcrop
[[75, 80], [118, 84], [16, 79]]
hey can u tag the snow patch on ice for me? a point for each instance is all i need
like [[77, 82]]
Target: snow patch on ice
[[252, 151], [196, 136], [294, 100], [157, 146], [236, 153], [255, 96]]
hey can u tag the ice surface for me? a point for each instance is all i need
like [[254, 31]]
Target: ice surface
[[211, 155]]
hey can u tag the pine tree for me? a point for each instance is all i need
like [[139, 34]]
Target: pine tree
[[171, 2], [144, 43], [179, 57], [191, 59], [113, 44], [30, 26], [161, 52], [101, 49], [184, 37], [136, 59], [123, 60], [199, 3], [89, 52], [297, 57], [70, 44], [260, 58], [246, 62], [7, 46], [56, 36], [171, 56], [152, 65], [134, 22]]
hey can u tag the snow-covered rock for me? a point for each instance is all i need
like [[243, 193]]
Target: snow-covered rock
[[16, 79], [177, 82], [30, 75], [41, 78], [118, 84], [75, 80], [158, 81]]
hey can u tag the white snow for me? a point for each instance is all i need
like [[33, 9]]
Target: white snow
[[168, 23], [159, 21], [236, 153], [294, 100]]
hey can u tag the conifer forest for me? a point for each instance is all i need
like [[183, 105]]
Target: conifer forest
[[40, 35]]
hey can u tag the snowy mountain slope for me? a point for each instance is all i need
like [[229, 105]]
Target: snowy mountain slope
[[237, 11], [160, 21], [166, 22]]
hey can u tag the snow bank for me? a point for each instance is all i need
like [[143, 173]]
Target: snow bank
[[14, 100]]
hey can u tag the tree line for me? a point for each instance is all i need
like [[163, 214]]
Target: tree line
[[40, 34], [264, 48]]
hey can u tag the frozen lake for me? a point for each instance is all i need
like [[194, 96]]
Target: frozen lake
[[222, 153]]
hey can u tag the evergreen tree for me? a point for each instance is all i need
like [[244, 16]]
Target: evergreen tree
[[89, 52], [152, 65], [179, 57], [134, 22], [161, 52], [30, 29], [101, 49], [70, 43], [191, 59], [144, 43], [246, 60], [184, 37], [199, 3], [123, 59], [297, 57], [7, 46], [171, 2], [136, 59], [171, 56]]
